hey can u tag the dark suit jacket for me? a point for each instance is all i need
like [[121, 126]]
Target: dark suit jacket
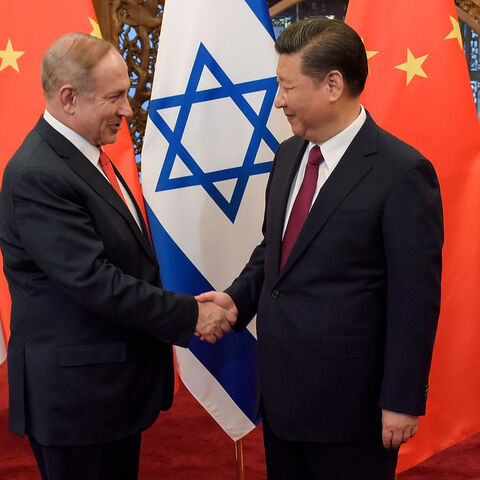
[[90, 357], [347, 326]]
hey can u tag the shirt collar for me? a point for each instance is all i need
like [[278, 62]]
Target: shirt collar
[[334, 148], [90, 151]]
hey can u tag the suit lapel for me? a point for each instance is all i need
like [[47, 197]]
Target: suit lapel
[[87, 171], [352, 168], [137, 208]]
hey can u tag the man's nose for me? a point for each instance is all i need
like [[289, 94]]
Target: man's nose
[[279, 101], [125, 110]]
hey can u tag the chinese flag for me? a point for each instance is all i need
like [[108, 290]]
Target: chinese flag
[[27, 29], [419, 89]]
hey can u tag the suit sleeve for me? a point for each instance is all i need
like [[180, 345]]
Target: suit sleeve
[[246, 288], [57, 232], [413, 235]]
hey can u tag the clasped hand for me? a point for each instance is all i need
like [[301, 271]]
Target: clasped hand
[[217, 314]]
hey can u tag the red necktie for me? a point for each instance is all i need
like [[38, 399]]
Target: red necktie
[[302, 203], [106, 165]]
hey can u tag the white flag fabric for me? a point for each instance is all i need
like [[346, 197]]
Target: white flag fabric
[[209, 143]]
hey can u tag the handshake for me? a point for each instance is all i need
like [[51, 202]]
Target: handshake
[[217, 314]]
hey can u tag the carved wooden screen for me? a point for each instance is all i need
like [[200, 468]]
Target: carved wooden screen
[[469, 12]]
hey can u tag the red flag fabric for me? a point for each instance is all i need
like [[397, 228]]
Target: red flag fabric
[[418, 89], [27, 29]]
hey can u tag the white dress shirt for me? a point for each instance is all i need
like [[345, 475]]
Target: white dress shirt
[[332, 151], [92, 153]]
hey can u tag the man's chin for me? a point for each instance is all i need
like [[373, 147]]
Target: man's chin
[[297, 131], [110, 139]]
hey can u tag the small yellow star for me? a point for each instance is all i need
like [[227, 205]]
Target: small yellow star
[[413, 66], [96, 28], [370, 53], [455, 33], [9, 57]]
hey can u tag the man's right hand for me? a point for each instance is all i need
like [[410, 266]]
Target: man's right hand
[[213, 321], [220, 298]]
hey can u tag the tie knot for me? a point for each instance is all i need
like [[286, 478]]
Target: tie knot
[[315, 156]]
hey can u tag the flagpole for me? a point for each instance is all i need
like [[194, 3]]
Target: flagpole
[[239, 460]]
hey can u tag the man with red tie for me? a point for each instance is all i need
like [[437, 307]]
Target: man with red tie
[[346, 282], [90, 355]]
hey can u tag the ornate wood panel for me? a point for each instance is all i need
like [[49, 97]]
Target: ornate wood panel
[[469, 12]]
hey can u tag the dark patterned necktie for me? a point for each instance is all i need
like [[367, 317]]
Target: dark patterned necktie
[[302, 203]]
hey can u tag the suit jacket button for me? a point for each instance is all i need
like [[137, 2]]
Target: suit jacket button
[[275, 294]]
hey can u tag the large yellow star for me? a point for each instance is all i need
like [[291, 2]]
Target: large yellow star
[[455, 33], [96, 28], [9, 57], [413, 66]]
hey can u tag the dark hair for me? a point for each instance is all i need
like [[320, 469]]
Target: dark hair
[[326, 45]]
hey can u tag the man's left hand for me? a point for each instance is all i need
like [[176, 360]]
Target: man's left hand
[[397, 428]]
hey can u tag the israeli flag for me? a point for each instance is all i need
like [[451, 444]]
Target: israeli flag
[[209, 143]]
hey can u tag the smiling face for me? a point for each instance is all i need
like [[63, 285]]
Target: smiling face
[[305, 102], [98, 114]]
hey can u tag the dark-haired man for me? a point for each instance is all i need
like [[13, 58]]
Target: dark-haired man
[[346, 282], [90, 357]]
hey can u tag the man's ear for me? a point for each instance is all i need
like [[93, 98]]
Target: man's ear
[[68, 96], [336, 85]]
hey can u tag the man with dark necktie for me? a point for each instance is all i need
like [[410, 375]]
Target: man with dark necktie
[[346, 282]]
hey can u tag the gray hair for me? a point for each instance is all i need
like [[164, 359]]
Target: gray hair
[[71, 60]]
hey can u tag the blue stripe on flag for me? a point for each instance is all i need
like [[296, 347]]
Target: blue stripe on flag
[[260, 9], [236, 375]]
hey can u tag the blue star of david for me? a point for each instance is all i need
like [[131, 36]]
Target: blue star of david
[[227, 89]]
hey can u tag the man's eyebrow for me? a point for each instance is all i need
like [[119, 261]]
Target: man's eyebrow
[[120, 91]]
